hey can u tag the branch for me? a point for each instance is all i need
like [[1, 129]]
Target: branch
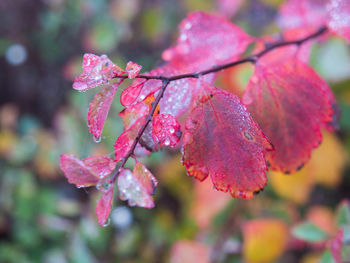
[[141, 131], [166, 80]]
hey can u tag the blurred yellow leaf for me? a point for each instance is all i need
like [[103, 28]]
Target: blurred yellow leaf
[[264, 240], [295, 187], [325, 167], [328, 161], [311, 258], [8, 140]]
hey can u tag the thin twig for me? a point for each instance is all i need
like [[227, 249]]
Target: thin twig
[[166, 80]]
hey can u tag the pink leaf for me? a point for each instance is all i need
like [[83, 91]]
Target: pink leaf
[[206, 40], [99, 108], [130, 94], [339, 17], [133, 69], [104, 206], [166, 130], [336, 246], [303, 14], [131, 114], [222, 140], [87, 172], [189, 251], [137, 186], [96, 71], [290, 103], [125, 141]]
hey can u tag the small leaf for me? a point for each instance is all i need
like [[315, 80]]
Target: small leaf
[[133, 69], [222, 141], [125, 141], [87, 172], [130, 94], [166, 130], [104, 206], [309, 232], [343, 214], [137, 186], [99, 108], [96, 71]]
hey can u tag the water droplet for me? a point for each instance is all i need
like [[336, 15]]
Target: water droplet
[[132, 202], [171, 130], [97, 139], [103, 186], [108, 221], [248, 136], [167, 142], [188, 25]]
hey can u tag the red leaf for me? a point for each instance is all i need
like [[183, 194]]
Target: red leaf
[[96, 71], [99, 108], [206, 40], [133, 69], [124, 142], [290, 103], [166, 130], [87, 172], [303, 14], [133, 113], [336, 246], [137, 186], [104, 206], [130, 94], [222, 140], [339, 17]]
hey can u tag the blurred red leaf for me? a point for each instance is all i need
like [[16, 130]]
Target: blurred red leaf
[[222, 140], [189, 251], [202, 33]]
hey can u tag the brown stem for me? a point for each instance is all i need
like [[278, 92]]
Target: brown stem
[[141, 131], [166, 80]]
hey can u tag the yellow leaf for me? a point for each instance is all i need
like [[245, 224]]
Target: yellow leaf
[[264, 240]]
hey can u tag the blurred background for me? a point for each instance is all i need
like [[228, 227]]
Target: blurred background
[[45, 219]]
